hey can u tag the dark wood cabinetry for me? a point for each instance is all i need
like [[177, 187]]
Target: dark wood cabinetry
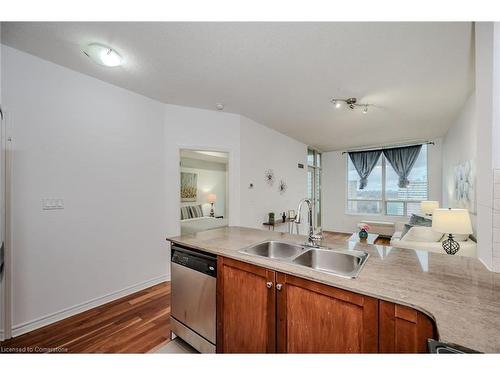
[[262, 311], [403, 329], [246, 308], [316, 318]]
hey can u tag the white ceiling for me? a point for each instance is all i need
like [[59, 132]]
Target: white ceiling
[[283, 75]]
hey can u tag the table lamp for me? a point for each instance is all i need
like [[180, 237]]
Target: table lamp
[[427, 207], [211, 199], [451, 221]]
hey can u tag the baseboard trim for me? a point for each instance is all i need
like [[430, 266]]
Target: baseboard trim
[[81, 307]]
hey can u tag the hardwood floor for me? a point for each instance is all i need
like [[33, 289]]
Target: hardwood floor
[[136, 323], [345, 236]]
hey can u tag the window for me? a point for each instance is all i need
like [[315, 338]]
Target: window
[[314, 183], [382, 195]]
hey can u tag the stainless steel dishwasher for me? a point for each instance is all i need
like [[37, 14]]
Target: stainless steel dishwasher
[[193, 306]]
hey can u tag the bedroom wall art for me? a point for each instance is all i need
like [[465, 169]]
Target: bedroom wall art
[[189, 187], [465, 186]]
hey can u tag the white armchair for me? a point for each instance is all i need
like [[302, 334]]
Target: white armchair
[[424, 238]]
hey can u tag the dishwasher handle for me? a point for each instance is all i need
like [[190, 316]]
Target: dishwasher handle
[[195, 260]]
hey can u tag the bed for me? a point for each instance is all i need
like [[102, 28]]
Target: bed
[[198, 224]]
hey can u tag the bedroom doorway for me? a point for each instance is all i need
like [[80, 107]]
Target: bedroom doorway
[[204, 190]]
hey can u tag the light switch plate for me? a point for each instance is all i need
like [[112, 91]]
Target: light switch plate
[[53, 204]]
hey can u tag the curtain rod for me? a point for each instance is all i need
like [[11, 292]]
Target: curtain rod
[[388, 147]]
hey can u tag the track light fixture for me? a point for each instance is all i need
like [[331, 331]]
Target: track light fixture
[[351, 103]]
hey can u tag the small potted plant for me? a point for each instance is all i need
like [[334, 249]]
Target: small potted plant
[[363, 231]]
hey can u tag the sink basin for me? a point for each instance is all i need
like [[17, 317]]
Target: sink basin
[[274, 250], [345, 263], [339, 262]]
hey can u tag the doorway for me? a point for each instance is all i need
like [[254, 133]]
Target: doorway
[[204, 190]]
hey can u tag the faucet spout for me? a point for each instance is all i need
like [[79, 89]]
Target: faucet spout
[[313, 238]]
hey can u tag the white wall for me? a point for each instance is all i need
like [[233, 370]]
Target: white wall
[[113, 156], [199, 129], [262, 149], [211, 179], [459, 145], [495, 148], [334, 194], [484, 47], [101, 149]]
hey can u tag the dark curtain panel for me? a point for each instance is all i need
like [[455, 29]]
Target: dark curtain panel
[[402, 160], [364, 162]]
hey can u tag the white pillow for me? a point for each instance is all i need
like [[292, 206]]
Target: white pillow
[[422, 234], [206, 209]]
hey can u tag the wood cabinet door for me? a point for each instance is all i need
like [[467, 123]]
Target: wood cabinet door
[[403, 329], [246, 308], [316, 318]]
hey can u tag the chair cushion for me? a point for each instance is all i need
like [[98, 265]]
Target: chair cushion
[[397, 235], [420, 221], [405, 230], [467, 248], [422, 234]]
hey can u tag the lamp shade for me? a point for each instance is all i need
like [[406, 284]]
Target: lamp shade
[[451, 220], [427, 207], [212, 198]]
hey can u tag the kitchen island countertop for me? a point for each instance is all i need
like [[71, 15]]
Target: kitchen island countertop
[[459, 293]]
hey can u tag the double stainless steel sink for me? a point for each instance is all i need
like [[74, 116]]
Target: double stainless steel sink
[[345, 263]]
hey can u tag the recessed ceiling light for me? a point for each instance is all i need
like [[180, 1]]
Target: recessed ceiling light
[[103, 55], [219, 106]]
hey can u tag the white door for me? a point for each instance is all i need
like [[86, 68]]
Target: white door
[[5, 295], [2, 228]]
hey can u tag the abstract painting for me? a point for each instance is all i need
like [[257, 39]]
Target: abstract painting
[[189, 187], [465, 186]]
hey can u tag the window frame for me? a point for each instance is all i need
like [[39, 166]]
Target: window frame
[[317, 171], [382, 201]]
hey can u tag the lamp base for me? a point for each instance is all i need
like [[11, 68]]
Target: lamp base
[[212, 213], [450, 245]]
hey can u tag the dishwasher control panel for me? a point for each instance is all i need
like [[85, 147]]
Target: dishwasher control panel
[[195, 260]]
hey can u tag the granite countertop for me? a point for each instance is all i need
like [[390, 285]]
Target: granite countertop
[[459, 293]]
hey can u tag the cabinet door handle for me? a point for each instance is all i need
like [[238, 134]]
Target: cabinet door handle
[[269, 285], [279, 286]]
